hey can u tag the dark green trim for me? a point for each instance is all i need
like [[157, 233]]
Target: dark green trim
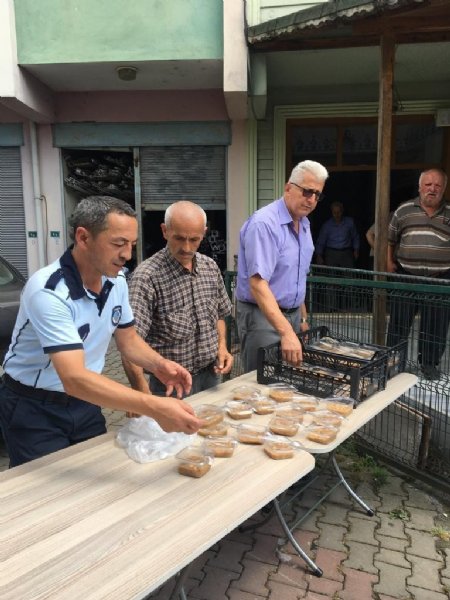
[[386, 285], [11, 134], [185, 133]]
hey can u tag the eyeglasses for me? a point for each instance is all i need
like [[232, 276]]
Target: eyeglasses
[[308, 192]]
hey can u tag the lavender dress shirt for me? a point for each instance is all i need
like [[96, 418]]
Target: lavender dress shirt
[[270, 247]]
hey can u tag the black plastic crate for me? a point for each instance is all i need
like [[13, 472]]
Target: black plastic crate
[[396, 355], [324, 374]]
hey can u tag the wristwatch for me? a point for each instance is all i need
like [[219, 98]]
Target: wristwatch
[[303, 320]]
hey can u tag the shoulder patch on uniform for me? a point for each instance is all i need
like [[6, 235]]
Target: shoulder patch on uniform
[[116, 315]]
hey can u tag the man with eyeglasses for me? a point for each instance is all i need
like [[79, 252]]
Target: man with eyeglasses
[[275, 254]]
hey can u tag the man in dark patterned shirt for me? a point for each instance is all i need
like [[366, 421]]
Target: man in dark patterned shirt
[[179, 302]]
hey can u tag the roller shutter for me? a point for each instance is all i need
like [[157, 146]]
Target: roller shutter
[[171, 173], [13, 245]]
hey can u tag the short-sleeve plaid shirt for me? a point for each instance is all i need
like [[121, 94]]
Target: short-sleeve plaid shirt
[[176, 310]]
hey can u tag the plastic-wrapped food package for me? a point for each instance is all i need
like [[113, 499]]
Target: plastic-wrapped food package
[[145, 441]]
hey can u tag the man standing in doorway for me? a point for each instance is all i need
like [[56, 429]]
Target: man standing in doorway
[[338, 241], [419, 244], [275, 254]]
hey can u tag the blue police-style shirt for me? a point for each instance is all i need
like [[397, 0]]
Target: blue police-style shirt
[[58, 314]]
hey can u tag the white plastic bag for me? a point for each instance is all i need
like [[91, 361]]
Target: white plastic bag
[[145, 441]]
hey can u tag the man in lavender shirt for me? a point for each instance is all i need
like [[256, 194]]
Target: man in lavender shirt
[[275, 253]]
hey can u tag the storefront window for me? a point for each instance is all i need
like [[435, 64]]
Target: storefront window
[[315, 143], [417, 143], [359, 145], [352, 143]]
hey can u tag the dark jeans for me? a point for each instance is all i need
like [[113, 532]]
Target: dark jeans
[[203, 380], [434, 322], [33, 428], [339, 258]]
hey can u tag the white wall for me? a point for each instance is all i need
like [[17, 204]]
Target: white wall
[[237, 206]]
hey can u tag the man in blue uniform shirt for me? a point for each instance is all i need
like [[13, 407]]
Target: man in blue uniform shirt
[[52, 388]]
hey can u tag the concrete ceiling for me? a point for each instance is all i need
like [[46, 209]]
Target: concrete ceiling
[[420, 64], [151, 75], [417, 64]]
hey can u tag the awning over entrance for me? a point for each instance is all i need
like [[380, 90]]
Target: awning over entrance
[[341, 23]]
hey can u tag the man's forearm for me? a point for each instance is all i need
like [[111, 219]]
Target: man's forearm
[[268, 305], [303, 312], [390, 259], [135, 375], [222, 333]]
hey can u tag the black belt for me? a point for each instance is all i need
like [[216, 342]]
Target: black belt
[[204, 369], [288, 311], [340, 249], [35, 393]]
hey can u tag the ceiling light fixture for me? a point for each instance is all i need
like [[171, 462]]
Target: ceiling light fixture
[[127, 73]]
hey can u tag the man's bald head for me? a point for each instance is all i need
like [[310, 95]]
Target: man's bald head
[[184, 228], [183, 209]]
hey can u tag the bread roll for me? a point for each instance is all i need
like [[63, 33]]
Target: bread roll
[[283, 426], [239, 410], [251, 435], [244, 392], [340, 408], [263, 406], [322, 435], [192, 469], [296, 414], [281, 395], [210, 414], [221, 447], [327, 418], [214, 431], [278, 450]]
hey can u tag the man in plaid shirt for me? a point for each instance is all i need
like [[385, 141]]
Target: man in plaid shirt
[[179, 302]]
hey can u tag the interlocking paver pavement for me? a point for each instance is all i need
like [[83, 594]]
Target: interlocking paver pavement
[[363, 558]]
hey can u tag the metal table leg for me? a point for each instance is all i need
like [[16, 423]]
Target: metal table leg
[[315, 569], [352, 493], [288, 529], [178, 590]]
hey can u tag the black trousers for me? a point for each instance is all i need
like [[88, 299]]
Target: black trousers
[[433, 324], [344, 257]]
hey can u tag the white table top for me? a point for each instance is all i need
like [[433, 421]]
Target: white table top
[[88, 523], [365, 411]]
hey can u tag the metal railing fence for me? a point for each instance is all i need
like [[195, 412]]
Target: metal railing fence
[[383, 309]]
